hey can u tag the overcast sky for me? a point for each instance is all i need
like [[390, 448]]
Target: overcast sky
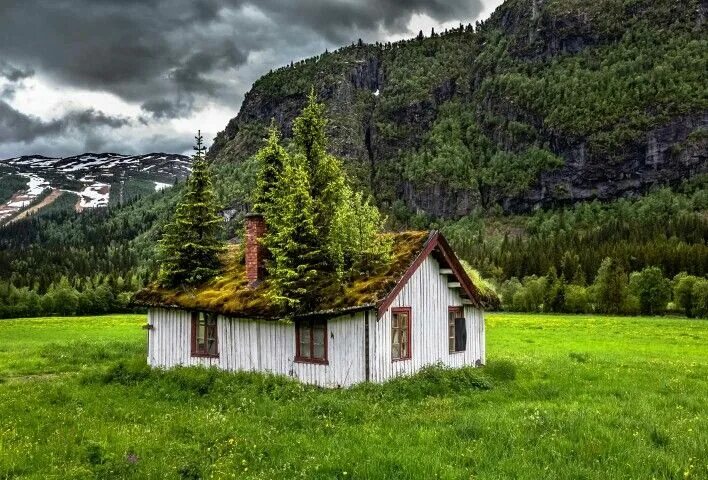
[[138, 76]]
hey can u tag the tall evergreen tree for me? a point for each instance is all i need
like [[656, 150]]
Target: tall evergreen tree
[[297, 260], [317, 229], [324, 171], [271, 161], [611, 286], [355, 242], [190, 246]]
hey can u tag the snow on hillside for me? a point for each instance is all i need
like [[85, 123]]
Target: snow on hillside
[[154, 163], [94, 195], [24, 198], [90, 175]]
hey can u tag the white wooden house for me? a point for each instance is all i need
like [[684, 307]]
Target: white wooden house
[[421, 309]]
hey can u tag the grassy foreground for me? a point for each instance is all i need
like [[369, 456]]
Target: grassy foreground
[[562, 397]]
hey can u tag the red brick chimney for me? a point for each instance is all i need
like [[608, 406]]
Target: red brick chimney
[[255, 252]]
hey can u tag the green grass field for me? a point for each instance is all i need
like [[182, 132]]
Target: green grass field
[[562, 397]]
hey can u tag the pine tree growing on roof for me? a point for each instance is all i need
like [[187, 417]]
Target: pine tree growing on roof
[[318, 231], [271, 161], [190, 246], [297, 261], [324, 171]]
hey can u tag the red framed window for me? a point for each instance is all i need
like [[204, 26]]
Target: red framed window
[[311, 341], [456, 330], [205, 341], [400, 333]]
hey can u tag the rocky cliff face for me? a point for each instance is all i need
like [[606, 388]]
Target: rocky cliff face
[[384, 99]]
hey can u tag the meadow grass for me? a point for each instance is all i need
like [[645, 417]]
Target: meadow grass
[[561, 397]]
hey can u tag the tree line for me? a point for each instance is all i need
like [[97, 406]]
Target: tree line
[[664, 228], [94, 295], [646, 292]]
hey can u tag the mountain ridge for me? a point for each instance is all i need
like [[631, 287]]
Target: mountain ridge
[[562, 101], [96, 179]]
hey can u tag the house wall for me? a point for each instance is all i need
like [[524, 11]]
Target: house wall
[[265, 346], [428, 295]]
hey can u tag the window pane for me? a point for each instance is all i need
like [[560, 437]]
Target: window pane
[[451, 314], [318, 351], [460, 334], [201, 333], [318, 341], [211, 337], [211, 346], [305, 334], [304, 340]]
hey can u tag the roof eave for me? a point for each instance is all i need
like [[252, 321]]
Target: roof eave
[[435, 239]]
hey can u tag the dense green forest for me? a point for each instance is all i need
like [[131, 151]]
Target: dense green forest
[[500, 134], [543, 104], [66, 263]]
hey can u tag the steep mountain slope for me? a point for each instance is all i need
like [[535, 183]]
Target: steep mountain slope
[[95, 179], [546, 103]]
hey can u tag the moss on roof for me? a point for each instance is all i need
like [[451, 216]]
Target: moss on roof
[[230, 294]]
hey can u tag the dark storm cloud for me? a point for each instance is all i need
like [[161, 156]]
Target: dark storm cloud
[[138, 50], [13, 73], [14, 77], [171, 57], [16, 126], [163, 109], [338, 20], [149, 50]]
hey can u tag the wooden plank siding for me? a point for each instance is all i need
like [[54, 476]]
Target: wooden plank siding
[[428, 295], [258, 345]]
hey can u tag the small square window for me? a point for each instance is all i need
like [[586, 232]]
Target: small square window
[[205, 342], [311, 338]]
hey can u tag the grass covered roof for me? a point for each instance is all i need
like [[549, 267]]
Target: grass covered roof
[[230, 294]]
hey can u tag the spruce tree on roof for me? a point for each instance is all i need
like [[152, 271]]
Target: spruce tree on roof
[[297, 261], [271, 161], [190, 246], [324, 171], [318, 231]]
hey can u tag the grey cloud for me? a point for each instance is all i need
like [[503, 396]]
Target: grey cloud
[[164, 109], [173, 56], [15, 77], [16, 126], [13, 73], [337, 20], [161, 49]]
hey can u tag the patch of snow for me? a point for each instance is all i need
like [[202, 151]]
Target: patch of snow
[[34, 162], [95, 195], [36, 184], [91, 162], [376, 93], [23, 199], [161, 186]]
